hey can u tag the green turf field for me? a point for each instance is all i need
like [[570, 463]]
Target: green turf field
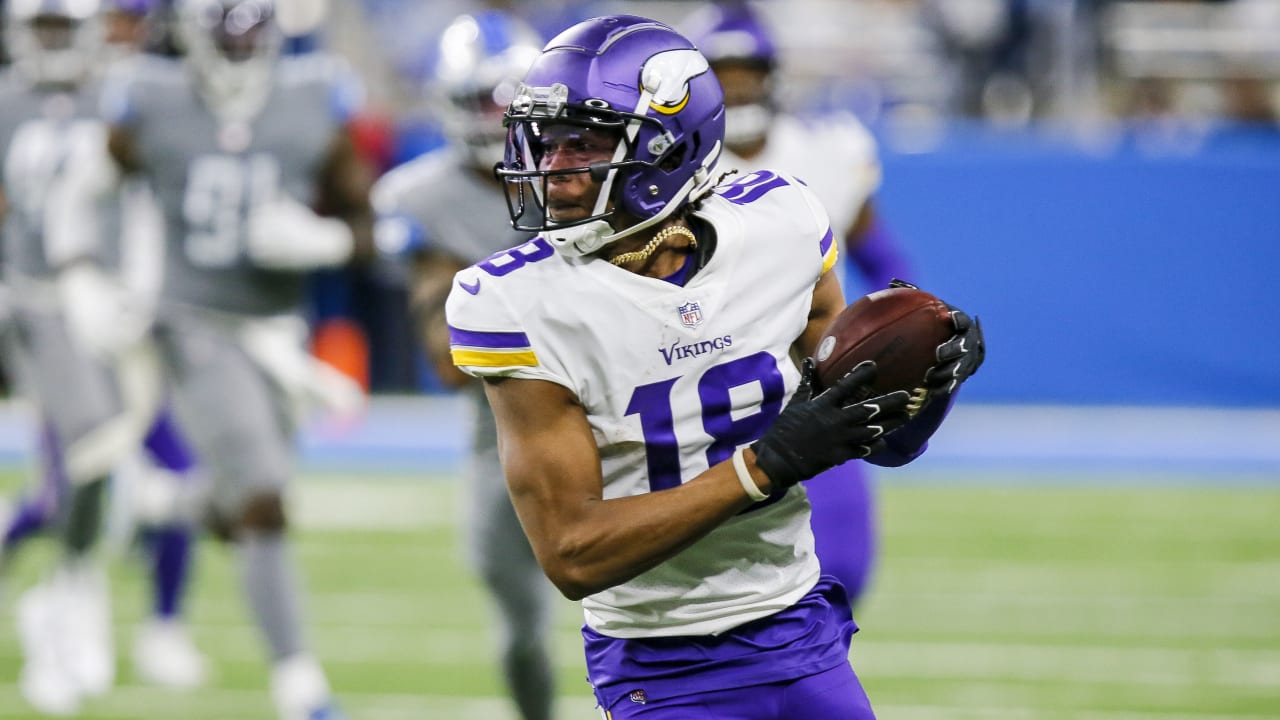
[[1013, 602]]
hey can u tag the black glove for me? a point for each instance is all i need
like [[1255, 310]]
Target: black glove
[[958, 358], [813, 434]]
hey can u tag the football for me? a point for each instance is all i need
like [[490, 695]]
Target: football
[[899, 328]]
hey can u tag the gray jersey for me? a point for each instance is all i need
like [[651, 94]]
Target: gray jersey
[[38, 128], [439, 201], [208, 174]]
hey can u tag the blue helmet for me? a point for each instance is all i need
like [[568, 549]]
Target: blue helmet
[[479, 63], [635, 77], [732, 32]]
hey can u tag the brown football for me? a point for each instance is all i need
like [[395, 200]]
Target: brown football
[[899, 328]]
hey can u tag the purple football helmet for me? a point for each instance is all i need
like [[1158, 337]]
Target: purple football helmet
[[735, 40], [640, 80], [731, 31], [132, 7]]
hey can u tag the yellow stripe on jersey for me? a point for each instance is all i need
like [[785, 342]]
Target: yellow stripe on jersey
[[829, 260], [494, 358]]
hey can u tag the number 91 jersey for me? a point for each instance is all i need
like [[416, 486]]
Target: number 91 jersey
[[210, 174], [672, 379]]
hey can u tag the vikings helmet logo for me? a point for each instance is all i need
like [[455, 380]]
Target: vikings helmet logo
[[666, 78]]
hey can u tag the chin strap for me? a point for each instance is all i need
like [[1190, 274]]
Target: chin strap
[[589, 237], [580, 239], [652, 246]]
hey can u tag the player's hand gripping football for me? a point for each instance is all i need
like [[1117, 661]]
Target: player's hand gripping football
[[813, 434], [958, 358]]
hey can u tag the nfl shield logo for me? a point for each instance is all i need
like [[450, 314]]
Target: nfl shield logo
[[690, 314]]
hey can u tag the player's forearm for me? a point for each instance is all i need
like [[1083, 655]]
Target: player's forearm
[[71, 219], [360, 222], [432, 278], [435, 340], [598, 544], [345, 182]]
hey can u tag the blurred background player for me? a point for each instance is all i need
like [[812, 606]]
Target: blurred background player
[[445, 211], [92, 384], [258, 184], [836, 156]]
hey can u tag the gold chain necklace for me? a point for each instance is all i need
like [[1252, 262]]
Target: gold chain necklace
[[644, 252]]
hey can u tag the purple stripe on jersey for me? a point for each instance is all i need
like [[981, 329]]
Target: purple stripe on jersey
[[809, 637], [825, 244], [472, 338], [759, 191]]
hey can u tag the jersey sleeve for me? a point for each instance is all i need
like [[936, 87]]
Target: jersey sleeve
[[398, 231], [486, 337], [815, 217], [117, 103], [346, 92], [322, 72]]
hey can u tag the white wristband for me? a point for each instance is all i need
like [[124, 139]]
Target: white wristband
[[740, 466]]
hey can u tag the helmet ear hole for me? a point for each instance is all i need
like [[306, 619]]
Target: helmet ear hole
[[674, 159]]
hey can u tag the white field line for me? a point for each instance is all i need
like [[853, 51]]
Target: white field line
[[1076, 664], [1060, 616], [1040, 616], [1247, 579], [935, 712], [144, 702], [1079, 664], [344, 505]]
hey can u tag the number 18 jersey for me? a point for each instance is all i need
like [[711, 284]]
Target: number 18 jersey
[[673, 379]]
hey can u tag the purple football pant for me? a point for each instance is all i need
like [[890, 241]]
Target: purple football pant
[[844, 525], [835, 693]]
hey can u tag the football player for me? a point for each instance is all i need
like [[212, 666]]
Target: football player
[[836, 156], [259, 184], [444, 211], [98, 403], [652, 426]]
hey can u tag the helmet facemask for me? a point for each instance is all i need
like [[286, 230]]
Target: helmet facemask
[[232, 46], [648, 89], [479, 64], [473, 120], [539, 114], [54, 43], [644, 149]]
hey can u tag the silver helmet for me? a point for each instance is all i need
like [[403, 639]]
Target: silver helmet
[[478, 66], [54, 42], [232, 47]]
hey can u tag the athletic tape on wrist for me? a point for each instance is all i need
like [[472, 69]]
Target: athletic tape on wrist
[[740, 467]]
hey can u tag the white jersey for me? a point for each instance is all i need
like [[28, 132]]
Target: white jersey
[[834, 154], [673, 379]]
